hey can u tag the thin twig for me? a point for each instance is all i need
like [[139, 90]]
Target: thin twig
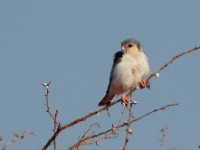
[[155, 110], [54, 117], [128, 129], [113, 131], [164, 130], [172, 60], [90, 128], [87, 134], [46, 86], [54, 128], [90, 139], [62, 127], [14, 139], [122, 116]]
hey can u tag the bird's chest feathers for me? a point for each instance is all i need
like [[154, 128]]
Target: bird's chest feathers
[[128, 71]]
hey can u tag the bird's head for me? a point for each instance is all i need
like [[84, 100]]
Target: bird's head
[[131, 46]]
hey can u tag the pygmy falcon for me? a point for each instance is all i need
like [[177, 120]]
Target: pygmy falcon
[[129, 70]]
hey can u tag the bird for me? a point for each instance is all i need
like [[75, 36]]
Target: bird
[[129, 71]]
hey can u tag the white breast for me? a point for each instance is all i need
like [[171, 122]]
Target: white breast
[[127, 73]]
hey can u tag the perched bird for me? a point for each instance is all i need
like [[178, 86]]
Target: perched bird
[[129, 70]]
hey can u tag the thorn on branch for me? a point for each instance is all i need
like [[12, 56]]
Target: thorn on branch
[[134, 102], [46, 85], [130, 131], [157, 75], [113, 128]]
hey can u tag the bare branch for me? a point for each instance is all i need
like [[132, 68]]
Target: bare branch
[[113, 131], [90, 139], [90, 128], [155, 110], [128, 129], [55, 127], [172, 60], [14, 139], [54, 117], [122, 116], [164, 130], [46, 86], [62, 127]]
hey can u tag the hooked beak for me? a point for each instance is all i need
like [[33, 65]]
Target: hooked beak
[[123, 48]]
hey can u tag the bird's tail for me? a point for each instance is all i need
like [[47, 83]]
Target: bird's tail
[[106, 100]]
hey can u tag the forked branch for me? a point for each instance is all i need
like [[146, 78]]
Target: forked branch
[[76, 121]]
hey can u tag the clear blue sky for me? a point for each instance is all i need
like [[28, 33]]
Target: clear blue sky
[[72, 44]]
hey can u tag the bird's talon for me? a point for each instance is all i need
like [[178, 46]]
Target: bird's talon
[[143, 84], [124, 100]]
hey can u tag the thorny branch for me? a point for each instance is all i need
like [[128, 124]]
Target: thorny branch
[[128, 129], [54, 117], [14, 139], [63, 127], [46, 86], [114, 129], [91, 139]]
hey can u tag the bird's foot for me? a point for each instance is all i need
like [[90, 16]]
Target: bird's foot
[[124, 101], [143, 84]]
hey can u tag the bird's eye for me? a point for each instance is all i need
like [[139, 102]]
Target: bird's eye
[[130, 45]]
